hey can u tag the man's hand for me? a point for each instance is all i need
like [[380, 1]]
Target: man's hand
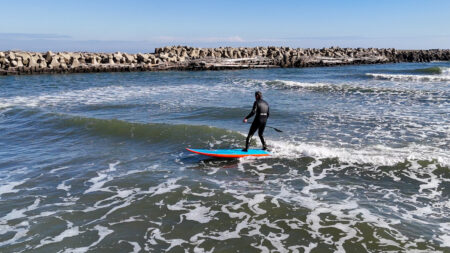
[[245, 120]]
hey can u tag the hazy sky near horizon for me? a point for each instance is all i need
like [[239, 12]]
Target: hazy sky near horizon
[[142, 25]]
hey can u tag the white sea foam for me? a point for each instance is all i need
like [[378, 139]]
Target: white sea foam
[[58, 169], [63, 186], [71, 231], [177, 206], [278, 83], [10, 187], [310, 247], [113, 209], [102, 178], [203, 194], [288, 83], [20, 230], [165, 96], [20, 213], [200, 214], [136, 247], [164, 187], [154, 234], [224, 235], [102, 233], [377, 155], [251, 220], [347, 211], [130, 219], [444, 238], [445, 76], [253, 204]]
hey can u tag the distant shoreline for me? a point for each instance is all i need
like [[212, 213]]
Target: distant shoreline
[[189, 58]]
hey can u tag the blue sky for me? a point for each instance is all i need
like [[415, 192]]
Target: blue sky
[[143, 25]]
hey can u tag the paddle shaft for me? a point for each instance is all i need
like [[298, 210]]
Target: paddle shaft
[[276, 129]]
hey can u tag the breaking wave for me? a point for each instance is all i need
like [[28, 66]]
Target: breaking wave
[[378, 155], [434, 74]]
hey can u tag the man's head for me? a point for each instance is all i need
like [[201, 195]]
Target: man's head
[[258, 95]]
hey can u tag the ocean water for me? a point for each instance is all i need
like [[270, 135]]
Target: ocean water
[[97, 162]]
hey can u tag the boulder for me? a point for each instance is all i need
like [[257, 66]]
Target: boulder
[[33, 62], [13, 63], [94, 60], [129, 58], [142, 57], [172, 59], [19, 62], [26, 61], [65, 56], [163, 56], [2, 55], [62, 63], [102, 59], [82, 59], [12, 56], [54, 63], [194, 53], [24, 57], [23, 54], [48, 56], [75, 63], [42, 63], [117, 57], [6, 63]]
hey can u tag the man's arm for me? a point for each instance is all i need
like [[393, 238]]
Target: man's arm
[[252, 112]]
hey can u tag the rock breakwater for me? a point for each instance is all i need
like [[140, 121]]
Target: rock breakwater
[[190, 58]]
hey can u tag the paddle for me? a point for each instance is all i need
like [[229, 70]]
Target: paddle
[[276, 129]]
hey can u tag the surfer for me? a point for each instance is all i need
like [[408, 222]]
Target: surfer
[[261, 111]]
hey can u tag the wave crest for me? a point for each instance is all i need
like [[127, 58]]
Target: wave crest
[[377, 155], [432, 74], [154, 132]]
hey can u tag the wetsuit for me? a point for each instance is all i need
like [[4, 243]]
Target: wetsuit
[[261, 111]]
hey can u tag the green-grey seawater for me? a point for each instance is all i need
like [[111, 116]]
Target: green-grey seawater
[[97, 162]]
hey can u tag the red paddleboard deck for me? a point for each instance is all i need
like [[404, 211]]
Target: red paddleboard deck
[[229, 153]]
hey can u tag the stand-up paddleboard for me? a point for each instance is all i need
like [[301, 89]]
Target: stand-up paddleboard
[[230, 153]]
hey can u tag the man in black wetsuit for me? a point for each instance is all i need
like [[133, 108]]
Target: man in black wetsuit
[[261, 111]]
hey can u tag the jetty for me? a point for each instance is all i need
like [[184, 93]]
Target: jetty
[[191, 58]]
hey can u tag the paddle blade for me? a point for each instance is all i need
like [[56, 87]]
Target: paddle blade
[[278, 130]]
